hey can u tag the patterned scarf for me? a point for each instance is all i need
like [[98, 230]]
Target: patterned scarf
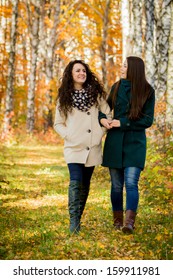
[[83, 99]]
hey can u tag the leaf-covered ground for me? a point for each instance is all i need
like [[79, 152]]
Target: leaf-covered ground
[[34, 216]]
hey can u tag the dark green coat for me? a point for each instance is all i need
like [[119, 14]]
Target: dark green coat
[[125, 146]]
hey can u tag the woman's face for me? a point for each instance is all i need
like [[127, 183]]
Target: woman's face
[[79, 75], [123, 70]]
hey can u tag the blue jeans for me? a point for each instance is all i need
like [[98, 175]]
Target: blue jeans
[[78, 172], [129, 176]]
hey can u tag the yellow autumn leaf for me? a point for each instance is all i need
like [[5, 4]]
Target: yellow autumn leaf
[[100, 245], [158, 237]]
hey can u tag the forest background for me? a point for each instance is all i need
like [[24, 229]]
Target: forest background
[[37, 40]]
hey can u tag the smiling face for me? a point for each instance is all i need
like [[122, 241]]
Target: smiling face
[[79, 75], [124, 68]]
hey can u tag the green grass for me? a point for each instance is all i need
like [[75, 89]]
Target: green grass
[[34, 218]]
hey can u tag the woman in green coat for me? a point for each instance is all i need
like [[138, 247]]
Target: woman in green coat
[[132, 102]]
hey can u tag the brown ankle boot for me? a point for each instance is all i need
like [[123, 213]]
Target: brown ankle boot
[[118, 219], [129, 222]]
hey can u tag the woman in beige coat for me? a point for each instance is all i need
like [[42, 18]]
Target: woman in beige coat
[[80, 97]]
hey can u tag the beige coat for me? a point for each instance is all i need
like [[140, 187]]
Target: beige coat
[[82, 134]]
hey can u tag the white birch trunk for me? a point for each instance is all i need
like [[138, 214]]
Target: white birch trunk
[[11, 69], [137, 27], [103, 46], [126, 28], [169, 97], [149, 41], [34, 29], [163, 26], [50, 58], [162, 46]]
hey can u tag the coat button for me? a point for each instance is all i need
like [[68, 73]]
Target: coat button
[[88, 113], [89, 130], [87, 148]]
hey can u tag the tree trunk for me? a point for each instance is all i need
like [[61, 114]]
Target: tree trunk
[[163, 26], [162, 46], [126, 28], [50, 58], [149, 41], [11, 70], [34, 29], [169, 96], [137, 27], [104, 43]]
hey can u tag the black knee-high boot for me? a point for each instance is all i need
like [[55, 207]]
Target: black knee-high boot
[[73, 204], [84, 191]]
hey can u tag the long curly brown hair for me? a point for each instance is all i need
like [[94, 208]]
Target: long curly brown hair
[[64, 98]]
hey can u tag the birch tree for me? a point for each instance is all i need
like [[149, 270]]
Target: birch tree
[[169, 97], [149, 41], [128, 28], [11, 69], [162, 45], [163, 25], [137, 27], [33, 23], [103, 46], [4, 30], [51, 42]]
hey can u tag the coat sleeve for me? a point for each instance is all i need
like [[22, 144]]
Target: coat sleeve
[[104, 107], [145, 121], [60, 123], [102, 113]]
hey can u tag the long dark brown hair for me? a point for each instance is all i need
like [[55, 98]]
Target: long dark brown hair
[[67, 86], [140, 88]]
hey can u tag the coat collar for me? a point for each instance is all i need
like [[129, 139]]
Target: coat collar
[[125, 89]]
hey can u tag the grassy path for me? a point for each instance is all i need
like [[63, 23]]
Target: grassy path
[[34, 214]]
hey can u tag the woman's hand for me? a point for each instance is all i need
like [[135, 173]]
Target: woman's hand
[[115, 123], [106, 123]]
